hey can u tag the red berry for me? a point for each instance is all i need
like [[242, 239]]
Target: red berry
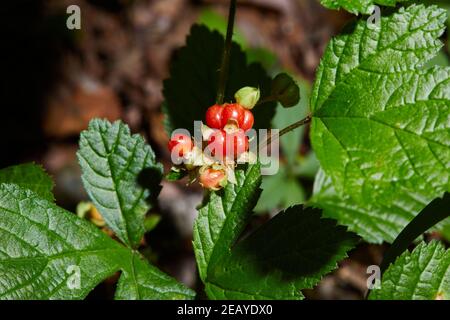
[[212, 179], [214, 116], [248, 121], [234, 112], [217, 143], [231, 145], [182, 143], [239, 141]]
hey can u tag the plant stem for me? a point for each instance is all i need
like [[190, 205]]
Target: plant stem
[[295, 125], [289, 128], [224, 68]]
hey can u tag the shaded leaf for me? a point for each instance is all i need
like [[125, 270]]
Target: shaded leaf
[[291, 252], [192, 86]]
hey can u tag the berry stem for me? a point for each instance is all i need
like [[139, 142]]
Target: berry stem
[[289, 128], [224, 68], [295, 125]]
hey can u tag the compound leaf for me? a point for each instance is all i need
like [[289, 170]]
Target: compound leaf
[[423, 274], [120, 175]]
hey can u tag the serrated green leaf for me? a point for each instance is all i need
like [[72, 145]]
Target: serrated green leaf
[[289, 253], [223, 217], [423, 274], [29, 176], [192, 86], [44, 248], [120, 175], [358, 6], [142, 281], [375, 222], [380, 124]]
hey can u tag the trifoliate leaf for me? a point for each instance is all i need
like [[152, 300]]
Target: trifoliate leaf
[[358, 6], [120, 175], [289, 253], [423, 274], [380, 124], [192, 86], [223, 217], [49, 253], [29, 176]]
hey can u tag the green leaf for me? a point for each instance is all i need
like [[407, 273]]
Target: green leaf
[[176, 174], [380, 124], [375, 222], [289, 253], [151, 222], [192, 86], [29, 176], [223, 217], [120, 175], [358, 6], [44, 248], [436, 211], [142, 281], [423, 274]]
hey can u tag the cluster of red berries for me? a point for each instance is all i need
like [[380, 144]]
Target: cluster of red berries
[[226, 138], [229, 123]]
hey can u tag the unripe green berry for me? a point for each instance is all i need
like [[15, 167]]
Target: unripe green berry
[[247, 97]]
